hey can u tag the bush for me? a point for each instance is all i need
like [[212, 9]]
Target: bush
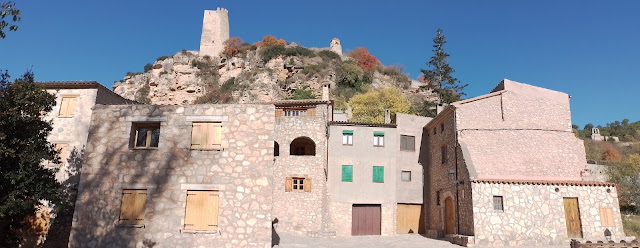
[[312, 69], [131, 74], [161, 58], [269, 40], [305, 93], [351, 76], [271, 52], [365, 60], [142, 95], [148, 67], [228, 85], [328, 55], [299, 51]]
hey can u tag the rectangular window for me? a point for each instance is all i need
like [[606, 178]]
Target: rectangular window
[[438, 197], [300, 184], [441, 127], [406, 176], [497, 203], [201, 213], [347, 173], [378, 174], [295, 112], [407, 143], [132, 206], [147, 135], [443, 154], [67, 106], [347, 137], [606, 217], [206, 136], [378, 138]]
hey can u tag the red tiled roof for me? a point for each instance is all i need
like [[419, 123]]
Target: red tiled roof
[[366, 124], [545, 182]]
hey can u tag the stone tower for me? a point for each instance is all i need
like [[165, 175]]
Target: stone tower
[[335, 46], [215, 31]]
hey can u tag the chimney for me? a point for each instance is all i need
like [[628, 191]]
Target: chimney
[[387, 116], [325, 92], [440, 107]]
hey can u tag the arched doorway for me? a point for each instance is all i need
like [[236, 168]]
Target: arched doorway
[[449, 216], [276, 149], [302, 146]]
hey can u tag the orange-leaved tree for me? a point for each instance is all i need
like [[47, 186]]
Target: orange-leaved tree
[[365, 60], [269, 40], [232, 46]]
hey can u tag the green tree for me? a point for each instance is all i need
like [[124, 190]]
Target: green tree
[[8, 9], [370, 106], [300, 94], [24, 181], [439, 75], [626, 175]]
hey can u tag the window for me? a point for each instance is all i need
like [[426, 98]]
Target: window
[[406, 176], [443, 154], [302, 146], [206, 136], [441, 127], [438, 197], [378, 138], [295, 112], [497, 203], [300, 184], [434, 130], [276, 149], [606, 217], [347, 137], [407, 143], [378, 174], [132, 206], [147, 135], [201, 213], [67, 106], [347, 173]]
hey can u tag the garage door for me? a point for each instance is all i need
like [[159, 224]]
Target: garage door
[[408, 218], [365, 219]]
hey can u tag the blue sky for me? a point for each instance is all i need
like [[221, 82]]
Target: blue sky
[[588, 49]]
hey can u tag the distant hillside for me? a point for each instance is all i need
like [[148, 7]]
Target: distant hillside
[[626, 131]]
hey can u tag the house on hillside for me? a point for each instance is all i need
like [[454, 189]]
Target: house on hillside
[[504, 169], [374, 179]]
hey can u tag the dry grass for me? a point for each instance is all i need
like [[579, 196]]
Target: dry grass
[[631, 225]]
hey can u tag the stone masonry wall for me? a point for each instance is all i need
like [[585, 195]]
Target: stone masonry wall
[[240, 172], [301, 212], [534, 214], [215, 31]]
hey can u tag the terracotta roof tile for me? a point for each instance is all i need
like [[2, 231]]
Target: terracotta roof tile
[[545, 182]]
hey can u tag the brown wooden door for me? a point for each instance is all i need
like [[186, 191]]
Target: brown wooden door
[[408, 220], [449, 216], [572, 216], [365, 220]]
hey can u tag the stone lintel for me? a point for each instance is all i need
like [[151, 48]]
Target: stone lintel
[[145, 119], [186, 186], [119, 186], [215, 118]]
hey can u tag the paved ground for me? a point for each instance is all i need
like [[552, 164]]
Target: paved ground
[[398, 241]]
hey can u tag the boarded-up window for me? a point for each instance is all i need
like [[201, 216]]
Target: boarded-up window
[[202, 210], [147, 135], [378, 174], [67, 106], [378, 138], [497, 203], [606, 217], [301, 184], [132, 207], [407, 143], [443, 154], [206, 136], [406, 176], [347, 173]]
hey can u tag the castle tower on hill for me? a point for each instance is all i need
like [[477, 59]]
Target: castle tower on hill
[[215, 31]]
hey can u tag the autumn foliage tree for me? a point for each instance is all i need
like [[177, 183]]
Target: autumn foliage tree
[[370, 106], [611, 154], [233, 46], [364, 59], [269, 40]]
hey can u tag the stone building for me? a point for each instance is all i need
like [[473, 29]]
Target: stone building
[[375, 181], [215, 31], [504, 169], [177, 176]]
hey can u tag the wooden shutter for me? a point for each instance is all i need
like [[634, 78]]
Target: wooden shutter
[[311, 112], [64, 106], [307, 185], [202, 211], [378, 174], [196, 135], [72, 106], [288, 184], [133, 205], [606, 217], [347, 173], [214, 135]]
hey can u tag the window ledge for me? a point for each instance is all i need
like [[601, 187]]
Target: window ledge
[[197, 231], [347, 144], [130, 226], [65, 116], [206, 149], [144, 148]]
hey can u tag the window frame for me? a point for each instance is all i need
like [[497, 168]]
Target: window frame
[[404, 140], [150, 126], [498, 203], [302, 180], [377, 138], [444, 154], [347, 137], [402, 173], [67, 113], [210, 127], [295, 112]]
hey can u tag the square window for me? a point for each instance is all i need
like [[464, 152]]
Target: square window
[[406, 176], [378, 174], [497, 203], [206, 136], [407, 143], [347, 173], [347, 137], [67, 106], [132, 207], [201, 212], [297, 184], [145, 135], [378, 139], [443, 154]]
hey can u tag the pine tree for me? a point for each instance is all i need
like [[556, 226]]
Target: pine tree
[[24, 181], [439, 76]]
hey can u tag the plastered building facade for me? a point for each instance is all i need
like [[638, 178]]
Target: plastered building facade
[[504, 169]]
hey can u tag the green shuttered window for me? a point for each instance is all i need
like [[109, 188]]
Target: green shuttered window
[[347, 131], [378, 174], [347, 173]]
